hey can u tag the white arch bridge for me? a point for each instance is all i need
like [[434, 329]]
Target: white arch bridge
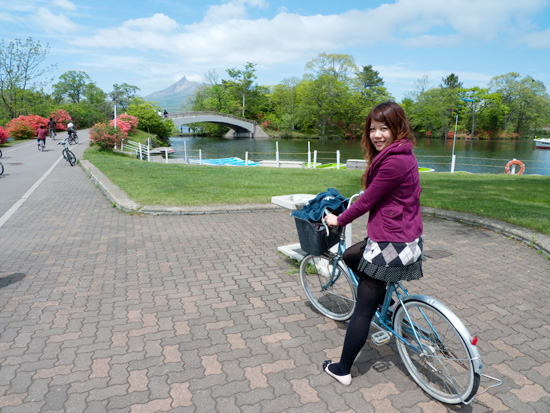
[[239, 127]]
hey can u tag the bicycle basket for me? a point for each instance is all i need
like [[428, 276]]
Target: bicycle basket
[[314, 240]]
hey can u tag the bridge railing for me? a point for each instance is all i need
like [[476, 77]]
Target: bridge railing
[[208, 113]]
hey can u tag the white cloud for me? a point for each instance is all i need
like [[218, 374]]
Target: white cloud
[[63, 4], [52, 22], [6, 17], [227, 34], [159, 22], [154, 33], [537, 40], [235, 9]]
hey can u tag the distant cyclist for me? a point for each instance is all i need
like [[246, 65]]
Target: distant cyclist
[[52, 125], [41, 134], [71, 129]]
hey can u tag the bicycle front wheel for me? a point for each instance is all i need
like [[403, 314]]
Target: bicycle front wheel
[[443, 367], [71, 157], [1, 169], [328, 287]]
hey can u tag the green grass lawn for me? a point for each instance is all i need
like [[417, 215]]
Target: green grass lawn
[[521, 200]]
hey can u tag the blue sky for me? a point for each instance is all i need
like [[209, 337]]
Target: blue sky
[[152, 44]]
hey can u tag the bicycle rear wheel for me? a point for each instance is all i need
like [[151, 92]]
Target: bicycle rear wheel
[[1, 168], [333, 293], [444, 367]]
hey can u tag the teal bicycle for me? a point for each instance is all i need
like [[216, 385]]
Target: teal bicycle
[[434, 345]]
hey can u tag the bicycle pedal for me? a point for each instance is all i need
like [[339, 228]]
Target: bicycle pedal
[[380, 337]]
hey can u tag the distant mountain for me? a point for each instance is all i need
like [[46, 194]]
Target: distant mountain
[[176, 97]]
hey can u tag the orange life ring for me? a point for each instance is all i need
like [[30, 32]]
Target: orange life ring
[[514, 162]]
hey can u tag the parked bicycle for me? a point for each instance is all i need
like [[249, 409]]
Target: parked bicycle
[[435, 346], [67, 153]]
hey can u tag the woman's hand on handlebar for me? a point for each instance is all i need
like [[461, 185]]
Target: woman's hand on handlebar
[[331, 220]]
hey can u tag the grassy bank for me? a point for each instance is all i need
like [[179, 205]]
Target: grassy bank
[[521, 200]]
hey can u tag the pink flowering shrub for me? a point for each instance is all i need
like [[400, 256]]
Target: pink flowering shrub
[[120, 124], [106, 136], [25, 127], [127, 123], [61, 118], [132, 120], [3, 135]]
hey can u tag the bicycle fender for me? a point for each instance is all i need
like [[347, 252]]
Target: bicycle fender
[[453, 318]]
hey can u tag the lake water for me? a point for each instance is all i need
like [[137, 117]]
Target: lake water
[[471, 156]]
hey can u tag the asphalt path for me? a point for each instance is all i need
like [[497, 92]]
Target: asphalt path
[[25, 168]]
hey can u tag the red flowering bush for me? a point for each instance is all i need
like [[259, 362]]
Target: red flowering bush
[[132, 120], [106, 136], [61, 118], [3, 135], [127, 123], [24, 127], [120, 124]]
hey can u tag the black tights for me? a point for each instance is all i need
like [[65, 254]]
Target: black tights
[[370, 293]]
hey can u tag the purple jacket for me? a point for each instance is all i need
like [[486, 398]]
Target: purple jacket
[[392, 196]]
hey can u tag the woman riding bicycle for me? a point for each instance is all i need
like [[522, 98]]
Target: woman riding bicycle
[[392, 251]]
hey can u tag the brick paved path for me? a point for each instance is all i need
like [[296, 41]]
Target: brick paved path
[[105, 311]]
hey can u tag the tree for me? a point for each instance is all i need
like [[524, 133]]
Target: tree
[[522, 100], [325, 90], [214, 96], [150, 121], [371, 87], [283, 98], [123, 94], [243, 80], [482, 100], [20, 65], [322, 100], [450, 82], [340, 66], [84, 114], [72, 84], [95, 95], [434, 110]]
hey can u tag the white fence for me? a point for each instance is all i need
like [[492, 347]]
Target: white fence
[[331, 157], [140, 150]]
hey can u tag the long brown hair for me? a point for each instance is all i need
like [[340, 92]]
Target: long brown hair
[[394, 117]]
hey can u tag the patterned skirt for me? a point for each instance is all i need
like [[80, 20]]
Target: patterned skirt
[[392, 261]]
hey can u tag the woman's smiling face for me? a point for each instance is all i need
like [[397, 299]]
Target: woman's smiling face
[[380, 135]]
